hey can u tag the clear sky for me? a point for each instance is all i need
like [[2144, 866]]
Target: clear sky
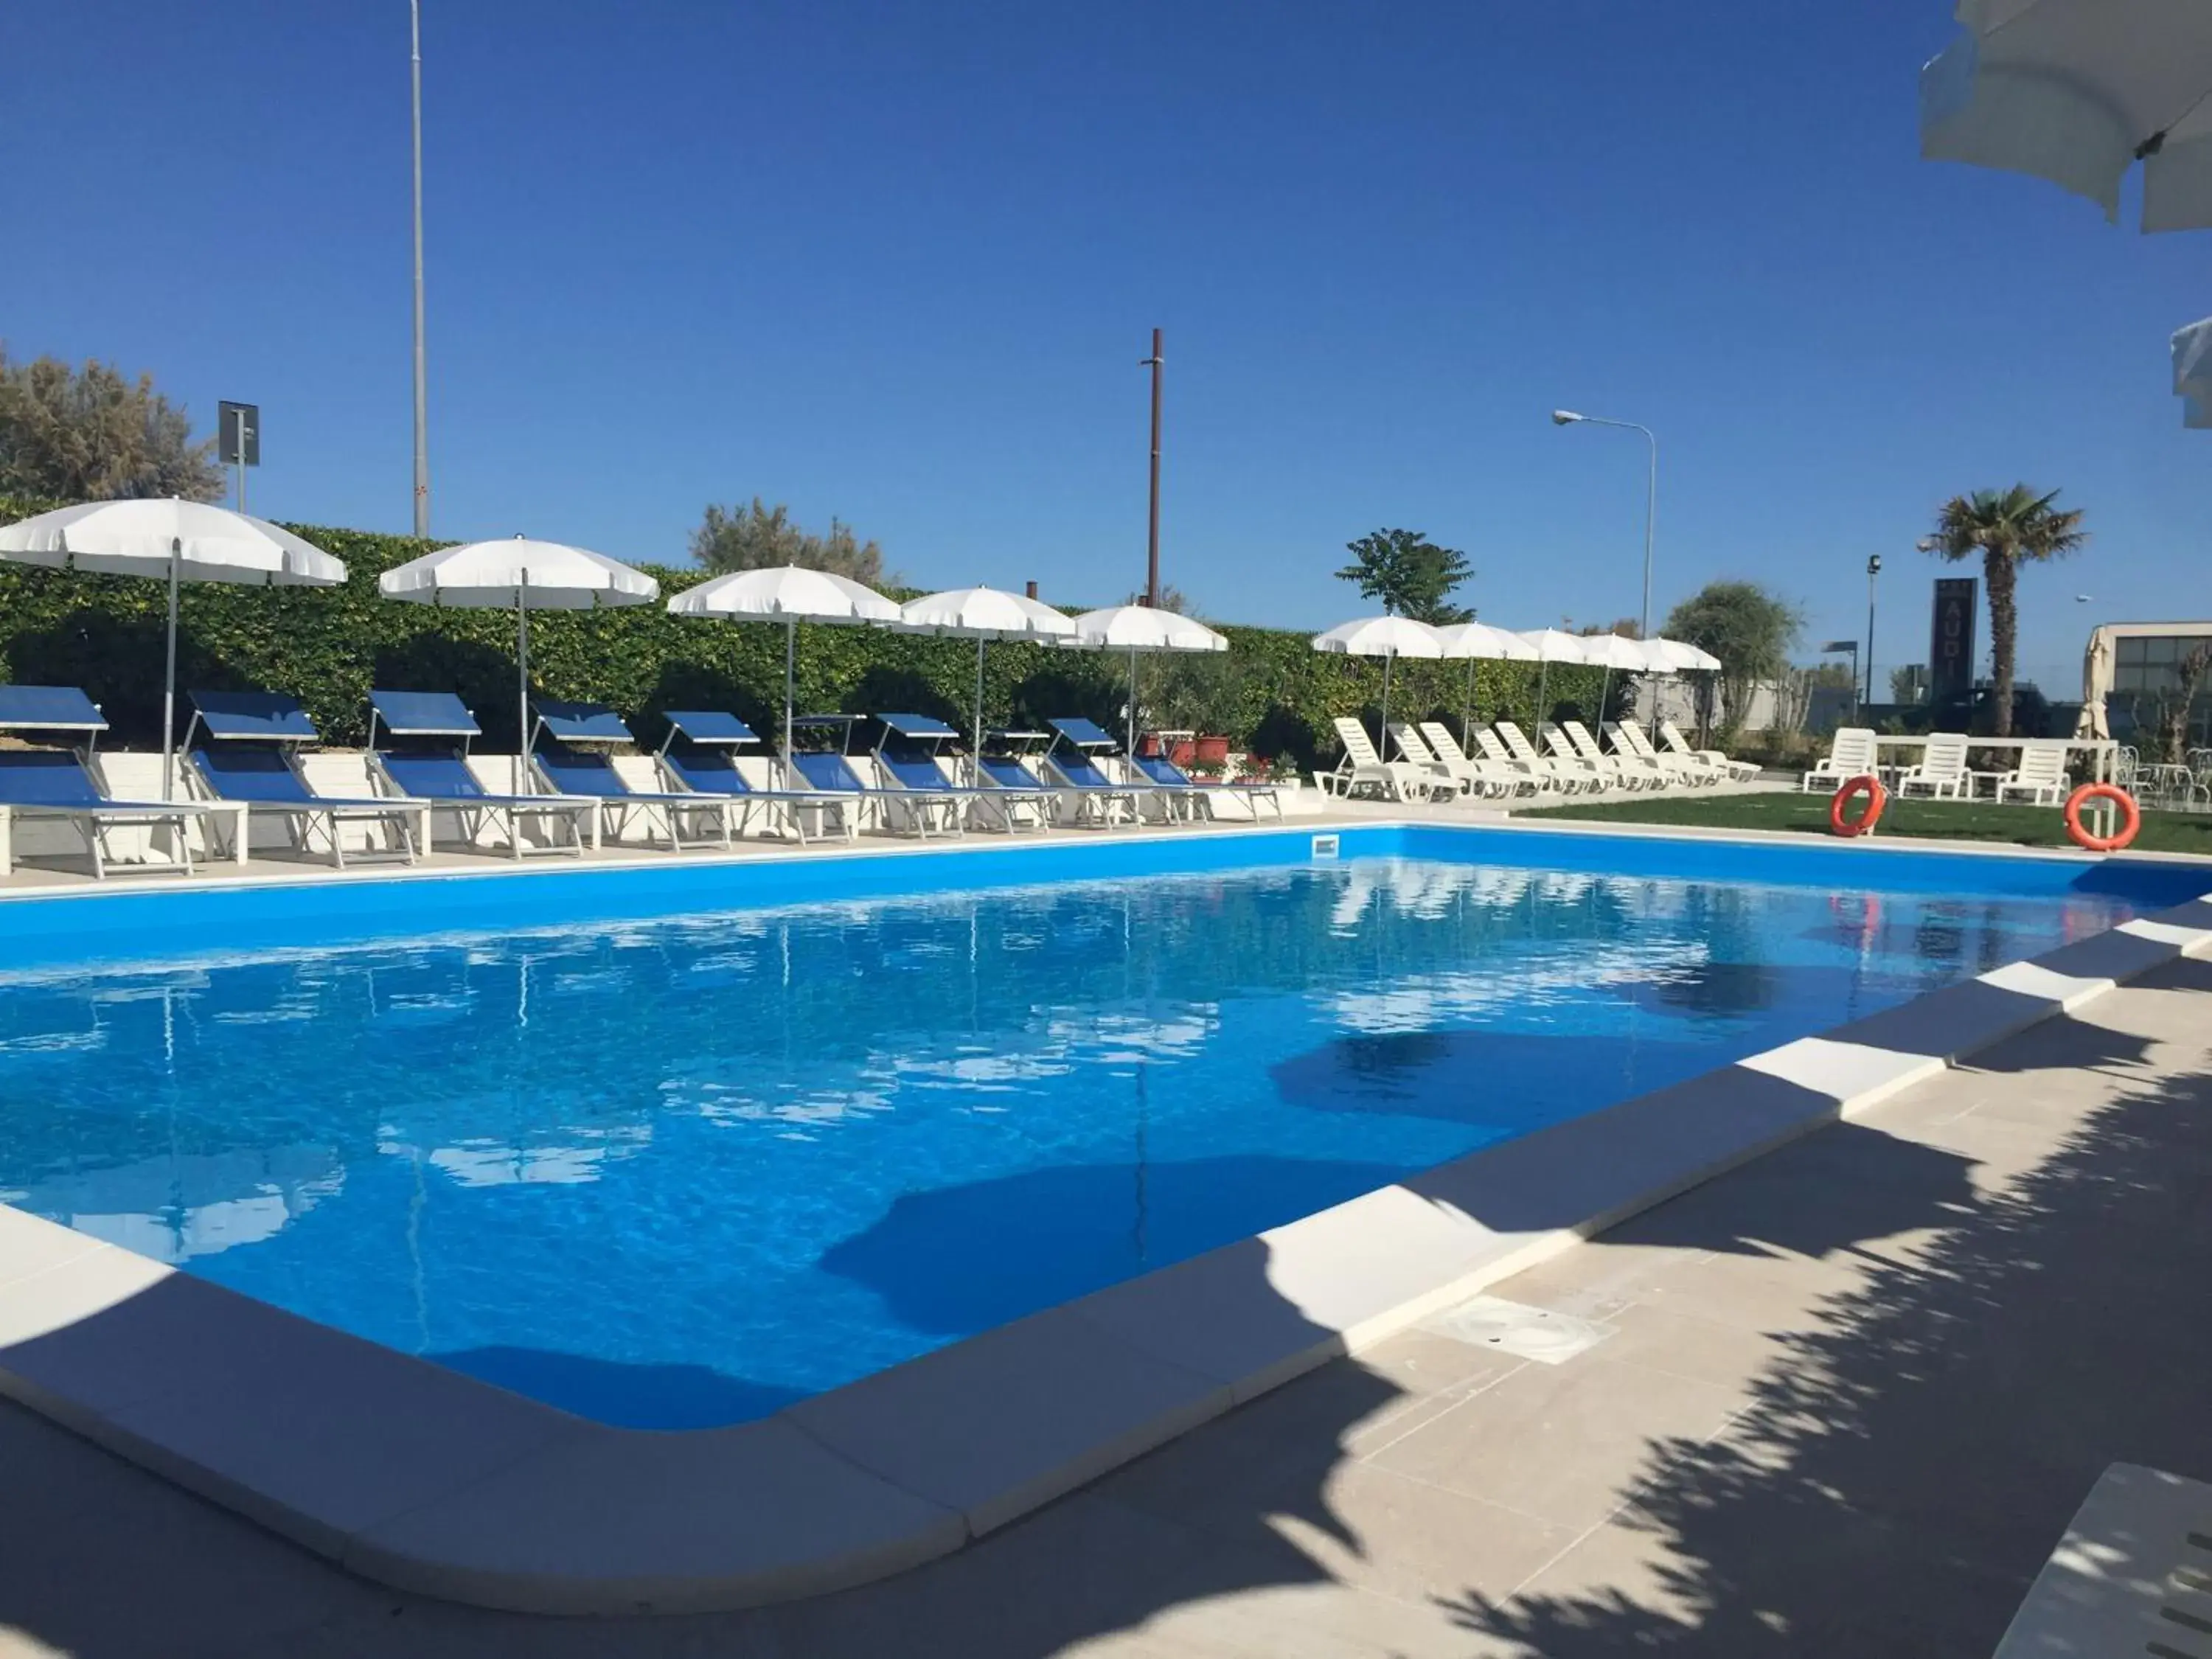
[[899, 263]]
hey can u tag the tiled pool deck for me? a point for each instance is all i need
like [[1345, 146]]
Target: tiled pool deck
[[1846, 1397]]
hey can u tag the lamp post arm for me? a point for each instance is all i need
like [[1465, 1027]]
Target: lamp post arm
[[1650, 501]]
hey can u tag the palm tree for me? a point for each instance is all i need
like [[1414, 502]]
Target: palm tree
[[2005, 527]]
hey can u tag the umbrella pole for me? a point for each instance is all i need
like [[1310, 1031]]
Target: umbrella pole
[[1543, 678], [522, 685], [1132, 705], [975, 757], [1605, 689], [169, 686], [1467, 710], [790, 691], [1390, 661]]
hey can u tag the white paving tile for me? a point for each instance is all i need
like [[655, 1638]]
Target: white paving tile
[[2031, 979], [614, 1520], [1842, 1070], [1011, 1418], [30, 1244], [315, 1433], [69, 1335]]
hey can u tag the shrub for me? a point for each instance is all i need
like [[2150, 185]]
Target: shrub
[[1271, 692]]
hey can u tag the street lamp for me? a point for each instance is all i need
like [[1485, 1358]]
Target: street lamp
[[1874, 569], [422, 391], [1568, 418]]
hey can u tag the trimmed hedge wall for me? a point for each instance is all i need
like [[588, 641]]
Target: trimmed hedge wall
[[1272, 693]]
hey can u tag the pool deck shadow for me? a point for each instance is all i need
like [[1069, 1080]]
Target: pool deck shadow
[[1844, 1399]]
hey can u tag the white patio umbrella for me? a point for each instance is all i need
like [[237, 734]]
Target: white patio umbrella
[[1679, 657], [179, 542], [1613, 652], [1136, 627], [791, 595], [2077, 92], [1479, 641], [1388, 638], [984, 614], [1552, 646], [528, 575]]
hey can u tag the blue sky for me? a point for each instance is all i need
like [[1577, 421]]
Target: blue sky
[[898, 264]]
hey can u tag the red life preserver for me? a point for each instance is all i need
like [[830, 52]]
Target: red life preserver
[[2130, 817], [1877, 797]]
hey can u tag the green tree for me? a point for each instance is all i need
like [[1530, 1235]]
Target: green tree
[[755, 536], [2180, 704], [1749, 628], [1411, 574], [2006, 527], [1171, 599], [91, 434], [1909, 684]]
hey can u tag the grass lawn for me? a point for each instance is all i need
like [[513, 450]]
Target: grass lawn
[[2028, 826]]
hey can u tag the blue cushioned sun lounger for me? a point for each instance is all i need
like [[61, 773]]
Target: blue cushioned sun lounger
[[437, 775], [705, 762], [1166, 773], [570, 769], [829, 771], [908, 752], [59, 784], [1098, 800], [1013, 792], [248, 758]]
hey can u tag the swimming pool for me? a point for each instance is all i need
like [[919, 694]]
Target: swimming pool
[[673, 1169]]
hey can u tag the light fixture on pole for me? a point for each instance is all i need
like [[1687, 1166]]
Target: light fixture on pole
[[1874, 569], [1568, 418], [422, 392], [1157, 362]]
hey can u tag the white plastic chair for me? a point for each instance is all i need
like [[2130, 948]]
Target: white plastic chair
[[1851, 755], [1941, 769], [2040, 776]]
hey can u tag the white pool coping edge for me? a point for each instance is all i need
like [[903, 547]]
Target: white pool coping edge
[[427, 1481]]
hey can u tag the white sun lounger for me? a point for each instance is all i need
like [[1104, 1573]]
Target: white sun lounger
[[1363, 768], [1492, 777], [1671, 735]]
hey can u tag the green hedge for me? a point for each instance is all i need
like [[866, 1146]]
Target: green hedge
[[1271, 692]]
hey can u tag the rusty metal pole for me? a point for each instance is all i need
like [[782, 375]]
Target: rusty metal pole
[[1157, 362]]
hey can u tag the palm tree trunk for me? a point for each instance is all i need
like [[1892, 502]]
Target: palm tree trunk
[[2000, 574]]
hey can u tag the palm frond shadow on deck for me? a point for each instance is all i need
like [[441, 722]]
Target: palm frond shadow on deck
[[1906, 1466]]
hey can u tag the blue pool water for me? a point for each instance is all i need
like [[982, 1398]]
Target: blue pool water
[[677, 1171]]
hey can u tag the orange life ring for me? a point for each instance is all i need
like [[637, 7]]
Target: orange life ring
[[2130, 817], [1877, 797]]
